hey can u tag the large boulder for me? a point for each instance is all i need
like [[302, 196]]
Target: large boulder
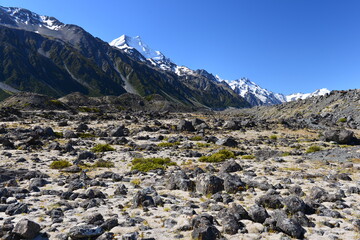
[[85, 232], [185, 126], [341, 136], [26, 229], [209, 184]]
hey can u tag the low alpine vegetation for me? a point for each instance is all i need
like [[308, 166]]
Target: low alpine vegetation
[[102, 148], [313, 148], [103, 164], [147, 164], [60, 164], [220, 156]]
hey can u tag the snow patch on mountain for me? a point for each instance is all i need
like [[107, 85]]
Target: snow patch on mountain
[[297, 96], [25, 17], [253, 93]]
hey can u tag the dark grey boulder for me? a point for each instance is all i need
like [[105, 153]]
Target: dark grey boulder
[[341, 136], [185, 126], [180, 180], [27, 229], [230, 166], [288, 226], [147, 197], [85, 232], [258, 213], [273, 201], [203, 228], [17, 208], [209, 184], [69, 134], [294, 204], [233, 183], [228, 142]]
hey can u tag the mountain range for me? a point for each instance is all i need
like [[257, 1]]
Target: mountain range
[[43, 55]]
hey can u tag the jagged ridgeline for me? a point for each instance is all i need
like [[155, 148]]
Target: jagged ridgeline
[[42, 55]]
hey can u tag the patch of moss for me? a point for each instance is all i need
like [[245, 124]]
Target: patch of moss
[[147, 164], [58, 134], [86, 135], [342, 120], [196, 138], [203, 145], [102, 148], [103, 164], [168, 144], [248, 157], [220, 156], [60, 164], [313, 148]]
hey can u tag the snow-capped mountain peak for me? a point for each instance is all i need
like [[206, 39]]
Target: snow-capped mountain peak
[[156, 58], [125, 41], [253, 93]]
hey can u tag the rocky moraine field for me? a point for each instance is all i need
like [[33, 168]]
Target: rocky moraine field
[[162, 175]]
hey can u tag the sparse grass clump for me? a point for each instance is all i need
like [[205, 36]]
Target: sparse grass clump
[[168, 144], [313, 148], [284, 154], [196, 138], [102, 148], [220, 156], [248, 157], [60, 164], [103, 164], [147, 164]]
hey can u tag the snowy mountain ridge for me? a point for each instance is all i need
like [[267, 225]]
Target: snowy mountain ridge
[[23, 17], [297, 96], [247, 89]]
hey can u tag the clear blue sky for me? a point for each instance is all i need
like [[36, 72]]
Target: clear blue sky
[[283, 45]]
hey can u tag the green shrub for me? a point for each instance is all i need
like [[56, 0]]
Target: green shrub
[[58, 134], [220, 156], [342, 120], [313, 148], [60, 164], [273, 137], [103, 164], [147, 164], [86, 135], [89, 109], [168, 144], [196, 138], [203, 145], [284, 154], [56, 102], [102, 148], [248, 157]]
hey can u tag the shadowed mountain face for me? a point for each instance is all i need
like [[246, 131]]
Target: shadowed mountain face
[[40, 54]]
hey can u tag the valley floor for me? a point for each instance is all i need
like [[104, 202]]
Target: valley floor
[[273, 183]]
